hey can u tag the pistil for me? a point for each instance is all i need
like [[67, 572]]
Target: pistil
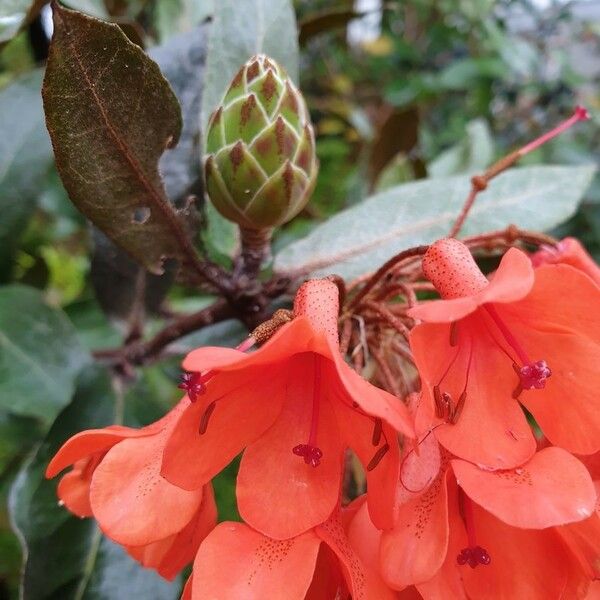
[[473, 555], [311, 453]]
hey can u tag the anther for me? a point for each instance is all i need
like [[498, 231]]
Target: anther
[[205, 418], [377, 430], [378, 456]]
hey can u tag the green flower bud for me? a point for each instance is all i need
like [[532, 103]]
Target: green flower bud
[[261, 165]]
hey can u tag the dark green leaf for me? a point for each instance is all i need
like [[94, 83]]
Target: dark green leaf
[[360, 239], [67, 557], [111, 114], [40, 355], [25, 156]]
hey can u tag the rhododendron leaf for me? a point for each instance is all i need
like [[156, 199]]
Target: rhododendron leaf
[[40, 354], [67, 557], [422, 211], [238, 31], [111, 114], [25, 156]]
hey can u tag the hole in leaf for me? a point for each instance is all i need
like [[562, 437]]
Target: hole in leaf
[[140, 215]]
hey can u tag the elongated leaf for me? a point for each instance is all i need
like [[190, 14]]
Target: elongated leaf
[[67, 557], [25, 157], [115, 276], [110, 114], [240, 30], [358, 240], [40, 355]]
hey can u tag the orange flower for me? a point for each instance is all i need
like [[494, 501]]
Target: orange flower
[[295, 406], [530, 337], [116, 478], [567, 252], [465, 532], [235, 562]]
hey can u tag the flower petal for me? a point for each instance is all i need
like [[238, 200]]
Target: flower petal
[[301, 496], [443, 311], [190, 458], [130, 499], [363, 582], [447, 582], [416, 548], [89, 442], [171, 555], [356, 431], [525, 563], [236, 562], [553, 488], [293, 338], [373, 400], [512, 280], [491, 429], [74, 490]]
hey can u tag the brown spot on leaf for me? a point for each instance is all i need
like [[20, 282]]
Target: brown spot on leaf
[[290, 100], [263, 146], [237, 155], [215, 118], [246, 110], [252, 71], [237, 80], [288, 179], [269, 86]]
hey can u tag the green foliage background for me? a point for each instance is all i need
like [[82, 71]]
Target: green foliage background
[[440, 88]]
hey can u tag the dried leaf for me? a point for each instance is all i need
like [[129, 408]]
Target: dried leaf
[[111, 114]]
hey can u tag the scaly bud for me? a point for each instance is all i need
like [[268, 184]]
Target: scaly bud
[[261, 165]]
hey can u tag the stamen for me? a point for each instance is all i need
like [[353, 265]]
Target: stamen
[[205, 418], [378, 456], [580, 114], [311, 453], [377, 430], [532, 374], [473, 555]]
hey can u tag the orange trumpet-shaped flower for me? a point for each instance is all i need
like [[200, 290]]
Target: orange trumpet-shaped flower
[[568, 251], [530, 337], [295, 406], [116, 479], [465, 532], [235, 562]]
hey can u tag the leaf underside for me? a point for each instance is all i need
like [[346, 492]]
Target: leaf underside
[[358, 240]]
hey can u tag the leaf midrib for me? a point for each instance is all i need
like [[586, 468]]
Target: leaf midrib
[[382, 240]]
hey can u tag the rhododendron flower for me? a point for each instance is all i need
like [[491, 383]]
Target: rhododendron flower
[[236, 562], [583, 538], [568, 251], [116, 479], [493, 532], [530, 337], [295, 406]]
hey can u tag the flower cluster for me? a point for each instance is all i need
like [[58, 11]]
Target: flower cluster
[[481, 483]]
